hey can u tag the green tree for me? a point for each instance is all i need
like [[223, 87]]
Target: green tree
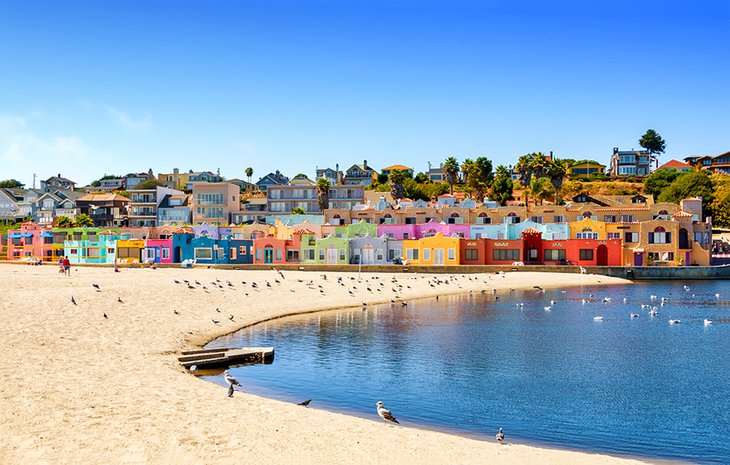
[[524, 168], [64, 222], [659, 180], [451, 170], [84, 220], [690, 184], [421, 178], [382, 178], [396, 179], [323, 194], [720, 206], [539, 164], [653, 143], [148, 184], [502, 185], [557, 172], [297, 211], [249, 173], [12, 183], [480, 177], [466, 168], [541, 189]]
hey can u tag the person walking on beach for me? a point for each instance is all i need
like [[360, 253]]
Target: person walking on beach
[[66, 266]]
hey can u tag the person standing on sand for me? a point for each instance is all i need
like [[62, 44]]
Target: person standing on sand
[[66, 266]]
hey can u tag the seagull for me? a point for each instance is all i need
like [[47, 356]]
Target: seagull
[[230, 317], [231, 382], [216, 322], [73, 301], [634, 315], [500, 435], [385, 414], [193, 368], [96, 286], [105, 316], [547, 309], [717, 296], [708, 322], [674, 322], [119, 299], [175, 312], [598, 318], [305, 403], [176, 281]]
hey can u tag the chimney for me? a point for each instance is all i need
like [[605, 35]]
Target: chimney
[[364, 164], [615, 150]]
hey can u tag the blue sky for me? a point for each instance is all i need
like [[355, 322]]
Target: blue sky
[[93, 87]]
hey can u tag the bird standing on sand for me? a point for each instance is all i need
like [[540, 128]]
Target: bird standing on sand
[[96, 286], [73, 301], [231, 382], [385, 414], [305, 403], [500, 435]]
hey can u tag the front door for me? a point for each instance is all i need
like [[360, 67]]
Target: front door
[[368, 256], [268, 255], [638, 259], [438, 256], [332, 256], [602, 255]]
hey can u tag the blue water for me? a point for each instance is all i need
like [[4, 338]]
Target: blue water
[[471, 364]]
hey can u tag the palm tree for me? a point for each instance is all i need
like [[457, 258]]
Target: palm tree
[[323, 194], [84, 220], [64, 222], [451, 170], [540, 188], [524, 168], [502, 185], [249, 173], [467, 167], [539, 164], [556, 172], [396, 180]]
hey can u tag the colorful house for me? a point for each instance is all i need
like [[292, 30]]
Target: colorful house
[[397, 231], [272, 250], [101, 251], [330, 250], [445, 229], [157, 251], [129, 251], [432, 250], [370, 250], [31, 241]]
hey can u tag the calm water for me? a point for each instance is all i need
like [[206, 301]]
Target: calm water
[[472, 364]]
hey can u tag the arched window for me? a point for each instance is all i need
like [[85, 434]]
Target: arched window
[[660, 236], [586, 233], [662, 215], [587, 214], [453, 219], [483, 219]]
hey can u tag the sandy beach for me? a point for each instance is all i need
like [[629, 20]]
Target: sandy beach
[[81, 388]]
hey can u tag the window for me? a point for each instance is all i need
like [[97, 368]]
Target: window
[[451, 254], [379, 255], [242, 250], [232, 253], [292, 255], [165, 253], [554, 254], [309, 254], [471, 254], [560, 219], [259, 255], [614, 235], [279, 255], [74, 251], [203, 253], [410, 220], [321, 254], [536, 219], [660, 236], [412, 254], [609, 218], [511, 219], [427, 254], [698, 237], [627, 159], [586, 234], [626, 170], [631, 237], [661, 256], [506, 254], [405, 235], [393, 253], [110, 250], [627, 218], [586, 254]]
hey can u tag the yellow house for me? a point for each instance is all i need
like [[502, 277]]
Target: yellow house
[[584, 169], [129, 251], [175, 180], [587, 228], [434, 250]]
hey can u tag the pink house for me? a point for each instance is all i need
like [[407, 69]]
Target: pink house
[[269, 250], [30, 241], [157, 251], [397, 231], [432, 228]]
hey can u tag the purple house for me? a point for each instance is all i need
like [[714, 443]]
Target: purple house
[[431, 228], [207, 230], [397, 231]]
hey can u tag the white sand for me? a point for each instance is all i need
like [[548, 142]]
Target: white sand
[[77, 388]]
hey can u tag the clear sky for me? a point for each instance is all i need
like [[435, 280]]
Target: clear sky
[[95, 87]]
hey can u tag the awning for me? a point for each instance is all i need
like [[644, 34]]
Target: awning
[[27, 234], [14, 236], [638, 250]]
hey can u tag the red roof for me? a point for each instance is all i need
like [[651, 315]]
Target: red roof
[[675, 164]]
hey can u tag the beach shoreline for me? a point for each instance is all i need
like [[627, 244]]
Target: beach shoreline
[[81, 387]]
